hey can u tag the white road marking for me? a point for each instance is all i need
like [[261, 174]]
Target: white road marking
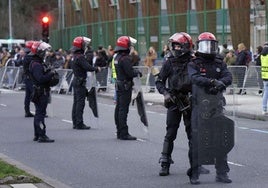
[[260, 131], [235, 164], [141, 140], [3, 105], [67, 121]]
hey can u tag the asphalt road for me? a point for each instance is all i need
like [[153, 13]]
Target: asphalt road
[[96, 159]]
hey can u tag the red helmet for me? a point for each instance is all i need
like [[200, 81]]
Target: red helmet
[[28, 46], [180, 44], [40, 48], [124, 43], [207, 44], [81, 42]]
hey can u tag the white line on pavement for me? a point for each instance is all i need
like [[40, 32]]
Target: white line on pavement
[[260, 131], [67, 121], [236, 164], [3, 105]]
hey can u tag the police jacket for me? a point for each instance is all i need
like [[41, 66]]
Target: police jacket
[[203, 70], [81, 66], [40, 75], [124, 67], [26, 63], [174, 70]]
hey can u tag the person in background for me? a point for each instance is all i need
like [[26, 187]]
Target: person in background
[[4, 56], [224, 51], [68, 61], [241, 60], [135, 57], [165, 51], [58, 63], [149, 61], [257, 59], [230, 58], [110, 54], [264, 75]]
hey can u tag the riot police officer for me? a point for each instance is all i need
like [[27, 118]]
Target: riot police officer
[[176, 95], [27, 78], [124, 82], [80, 68], [42, 78], [208, 71]]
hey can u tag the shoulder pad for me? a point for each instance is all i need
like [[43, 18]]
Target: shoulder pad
[[197, 60], [218, 59], [168, 55]]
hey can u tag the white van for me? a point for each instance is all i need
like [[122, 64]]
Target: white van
[[8, 43]]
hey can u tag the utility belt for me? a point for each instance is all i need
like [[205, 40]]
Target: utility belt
[[39, 91], [79, 81], [123, 85]]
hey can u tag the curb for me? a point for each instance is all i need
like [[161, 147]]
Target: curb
[[48, 182]]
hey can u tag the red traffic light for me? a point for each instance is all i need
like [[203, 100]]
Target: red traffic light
[[45, 19]]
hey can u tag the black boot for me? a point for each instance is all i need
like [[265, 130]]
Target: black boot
[[44, 139], [164, 169], [82, 127], [193, 176], [28, 114], [165, 158], [165, 164], [127, 137], [194, 180], [223, 178]]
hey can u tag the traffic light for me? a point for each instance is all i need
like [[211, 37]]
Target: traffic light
[[45, 29]]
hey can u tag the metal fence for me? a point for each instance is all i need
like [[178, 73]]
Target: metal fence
[[244, 77]]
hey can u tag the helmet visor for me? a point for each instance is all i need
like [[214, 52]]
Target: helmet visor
[[208, 47], [132, 41]]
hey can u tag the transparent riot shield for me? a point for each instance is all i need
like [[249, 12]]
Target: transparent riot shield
[[140, 101], [212, 131], [92, 96]]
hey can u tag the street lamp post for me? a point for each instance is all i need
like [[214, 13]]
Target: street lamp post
[[10, 23]]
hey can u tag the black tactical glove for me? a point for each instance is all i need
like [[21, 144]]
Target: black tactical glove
[[219, 85], [167, 100], [213, 91]]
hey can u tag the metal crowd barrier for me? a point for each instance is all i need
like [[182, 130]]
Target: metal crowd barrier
[[12, 78], [239, 75]]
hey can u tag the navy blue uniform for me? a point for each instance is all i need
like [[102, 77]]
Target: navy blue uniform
[[202, 72], [28, 84], [80, 68], [171, 71], [125, 74], [41, 79]]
